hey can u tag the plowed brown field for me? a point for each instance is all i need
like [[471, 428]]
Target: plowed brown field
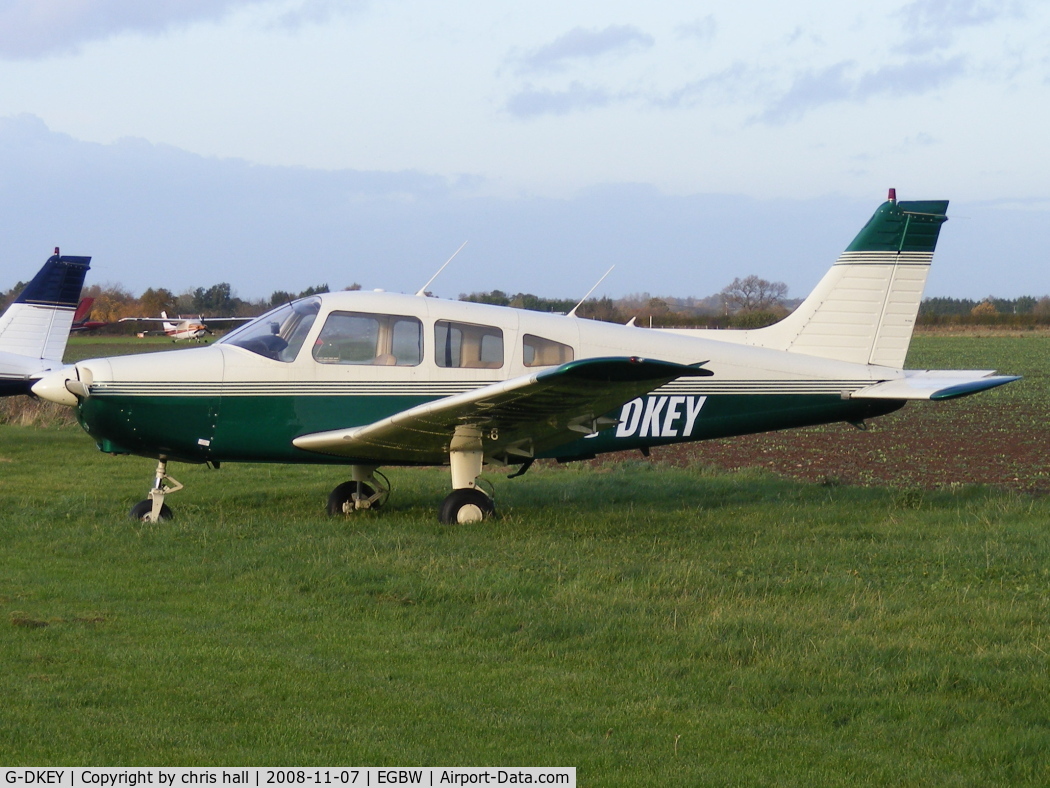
[[1000, 437]]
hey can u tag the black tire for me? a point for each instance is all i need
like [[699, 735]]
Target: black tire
[[143, 508], [344, 494], [466, 506]]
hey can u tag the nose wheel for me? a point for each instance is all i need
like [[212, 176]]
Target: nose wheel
[[143, 511], [367, 489], [153, 509]]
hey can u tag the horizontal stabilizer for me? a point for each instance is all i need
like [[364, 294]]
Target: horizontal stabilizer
[[935, 384]]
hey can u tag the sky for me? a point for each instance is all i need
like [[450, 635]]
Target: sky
[[281, 144]]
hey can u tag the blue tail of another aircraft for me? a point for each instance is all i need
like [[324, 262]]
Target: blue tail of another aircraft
[[35, 328]]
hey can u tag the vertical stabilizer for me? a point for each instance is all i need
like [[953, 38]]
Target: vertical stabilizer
[[36, 325], [864, 309]]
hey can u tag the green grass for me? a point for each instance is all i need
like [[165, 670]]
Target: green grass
[[95, 346], [643, 626], [1020, 354], [647, 625]]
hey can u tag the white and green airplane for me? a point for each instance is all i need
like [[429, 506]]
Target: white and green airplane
[[372, 379]]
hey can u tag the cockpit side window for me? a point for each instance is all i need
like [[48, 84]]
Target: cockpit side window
[[540, 352], [466, 345], [370, 339], [280, 333]]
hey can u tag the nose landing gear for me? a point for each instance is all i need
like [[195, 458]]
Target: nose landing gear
[[153, 509], [365, 490]]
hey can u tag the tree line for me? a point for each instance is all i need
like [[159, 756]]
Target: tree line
[[113, 302], [748, 302], [753, 302]]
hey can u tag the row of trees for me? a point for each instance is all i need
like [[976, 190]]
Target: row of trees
[[749, 302], [958, 307], [753, 302], [744, 303], [113, 302]]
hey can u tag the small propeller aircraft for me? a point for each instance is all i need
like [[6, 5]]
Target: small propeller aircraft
[[371, 379], [186, 328], [35, 327], [82, 317]]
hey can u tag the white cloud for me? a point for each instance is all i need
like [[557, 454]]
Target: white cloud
[[738, 82], [933, 24], [941, 14], [581, 44], [318, 12], [835, 84], [530, 102], [701, 29], [38, 28]]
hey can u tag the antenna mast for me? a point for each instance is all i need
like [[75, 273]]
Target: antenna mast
[[423, 290], [573, 312]]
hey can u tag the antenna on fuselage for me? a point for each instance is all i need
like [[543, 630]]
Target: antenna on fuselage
[[572, 313], [423, 290]]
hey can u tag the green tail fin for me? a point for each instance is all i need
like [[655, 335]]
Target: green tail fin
[[864, 309], [902, 227]]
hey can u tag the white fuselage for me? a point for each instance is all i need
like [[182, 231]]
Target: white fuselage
[[229, 402]]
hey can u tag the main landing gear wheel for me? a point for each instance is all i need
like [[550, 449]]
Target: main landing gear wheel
[[143, 511], [466, 505]]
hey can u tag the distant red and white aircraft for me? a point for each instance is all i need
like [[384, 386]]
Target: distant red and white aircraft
[[186, 327], [81, 321]]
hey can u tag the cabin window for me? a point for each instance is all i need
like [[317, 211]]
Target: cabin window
[[280, 333], [466, 345], [365, 338], [540, 352]]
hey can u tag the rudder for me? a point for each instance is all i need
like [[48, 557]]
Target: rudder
[[864, 309]]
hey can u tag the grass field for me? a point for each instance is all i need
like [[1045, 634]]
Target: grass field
[[648, 624]]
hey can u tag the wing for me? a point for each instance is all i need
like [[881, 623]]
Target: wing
[[516, 418], [935, 384], [177, 320]]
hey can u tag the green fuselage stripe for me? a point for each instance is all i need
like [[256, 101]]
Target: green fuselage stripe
[[261, 428]]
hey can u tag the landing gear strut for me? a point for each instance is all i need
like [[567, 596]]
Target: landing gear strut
[[466, 503], [365, 490], [153, 509]]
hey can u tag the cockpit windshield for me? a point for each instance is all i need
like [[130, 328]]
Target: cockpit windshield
[[280, 333]]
